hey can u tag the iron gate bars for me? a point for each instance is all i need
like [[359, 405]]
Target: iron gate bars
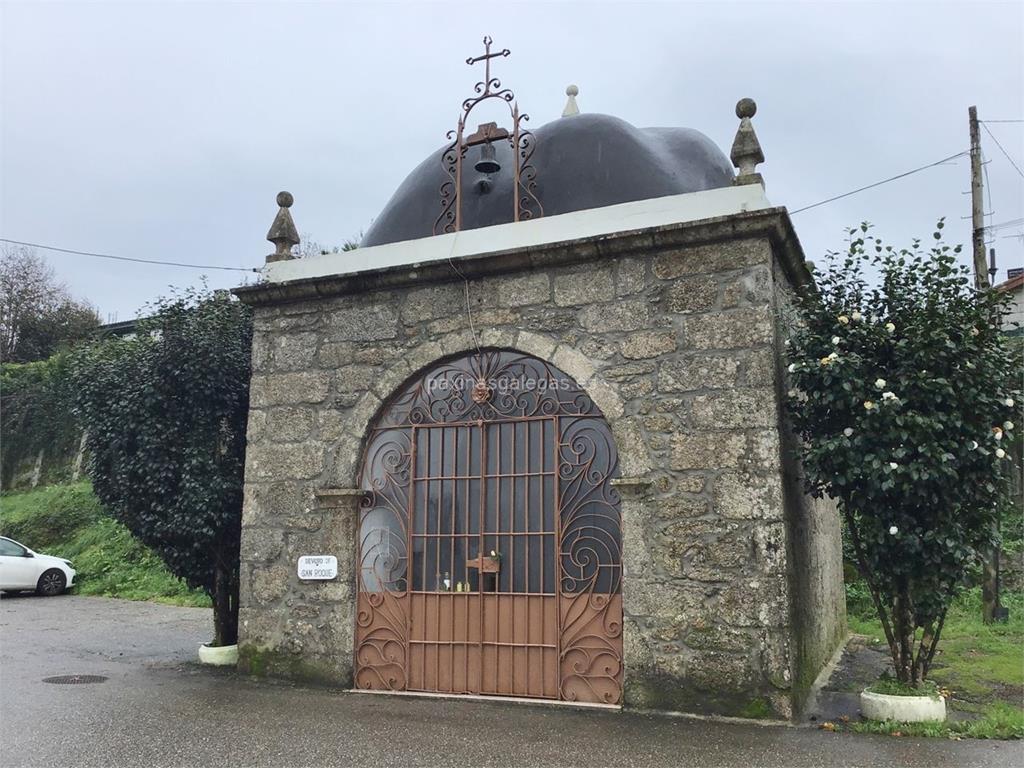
[[489, 540]]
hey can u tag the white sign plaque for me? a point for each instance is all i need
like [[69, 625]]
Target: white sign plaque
[[318, 567]]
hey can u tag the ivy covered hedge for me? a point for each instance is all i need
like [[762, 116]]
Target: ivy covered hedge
[[165, 416], [37, 401]]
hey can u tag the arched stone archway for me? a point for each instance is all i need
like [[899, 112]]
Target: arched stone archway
[[489, 541], [577, 366]]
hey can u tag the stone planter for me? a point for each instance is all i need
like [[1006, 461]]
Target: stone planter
[[903, 709], [218, 656]]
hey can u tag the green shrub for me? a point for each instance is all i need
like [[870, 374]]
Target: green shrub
[[904, 394], [858, 600], [165, 416]]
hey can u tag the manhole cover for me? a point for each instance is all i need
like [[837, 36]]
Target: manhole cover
[[74, 679]]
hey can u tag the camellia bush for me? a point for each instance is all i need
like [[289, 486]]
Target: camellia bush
[[903, 394], [165, 414]]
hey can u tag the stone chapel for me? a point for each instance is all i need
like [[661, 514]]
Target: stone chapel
[[531, 431]]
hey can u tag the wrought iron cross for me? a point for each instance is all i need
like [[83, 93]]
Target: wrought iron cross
[[525, 204], [486, 59]]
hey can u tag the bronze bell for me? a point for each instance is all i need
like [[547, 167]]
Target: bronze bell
[[487, 163]]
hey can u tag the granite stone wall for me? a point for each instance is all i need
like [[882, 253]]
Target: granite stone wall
[[818, 605], [678, 346]]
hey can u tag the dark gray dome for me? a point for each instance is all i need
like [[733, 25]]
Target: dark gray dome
[[583, 161]]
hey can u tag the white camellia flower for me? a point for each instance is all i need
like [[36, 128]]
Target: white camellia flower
[[833, 356], [1000, 453], [868, 405], [893, 465], [836, 340], [844, 320], [893, 530], [888, 396], [1007, 425], [792, 368], [879, 383], [974, 331], [848, 431], [890, 327], [856, 316], [1008, 402]]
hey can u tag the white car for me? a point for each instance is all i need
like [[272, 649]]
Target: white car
[[22, 569]]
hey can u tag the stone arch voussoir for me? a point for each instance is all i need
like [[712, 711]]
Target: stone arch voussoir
[[569, 360]]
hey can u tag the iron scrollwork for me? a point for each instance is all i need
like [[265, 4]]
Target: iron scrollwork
[[525, 203], [518, 386], [383, 562], [590, 557], [497, 386]]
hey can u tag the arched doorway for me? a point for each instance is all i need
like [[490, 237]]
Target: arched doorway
[[490, 537]]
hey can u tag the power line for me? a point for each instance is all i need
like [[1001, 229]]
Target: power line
[[124, 258], [1007, 154], [880, 183], [791, 213], [1001, 121], [1002, 224]]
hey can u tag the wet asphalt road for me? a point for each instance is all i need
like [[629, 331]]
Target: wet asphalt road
[[158, 708]]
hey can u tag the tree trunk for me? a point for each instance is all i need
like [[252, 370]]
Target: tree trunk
[[990, 583], [231, 630], [926, 665], [907, 672], [220, 607], [876, 595], [225, 604]]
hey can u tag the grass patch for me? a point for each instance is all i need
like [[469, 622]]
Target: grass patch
[[1000, 721], [981, 665], [68, 521], [758, 709], [869, 626]]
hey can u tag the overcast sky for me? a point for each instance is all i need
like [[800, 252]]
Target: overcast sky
[[164, 130]]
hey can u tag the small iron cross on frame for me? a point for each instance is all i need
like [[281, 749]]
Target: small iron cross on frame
[[486, 58]]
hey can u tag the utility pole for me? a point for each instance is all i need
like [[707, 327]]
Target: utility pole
[[990, 567], [977, 206]]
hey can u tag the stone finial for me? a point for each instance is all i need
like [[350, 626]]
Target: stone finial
[[571, 108], [282, 232], [746, 150]]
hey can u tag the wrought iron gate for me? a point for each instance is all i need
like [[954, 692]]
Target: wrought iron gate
[[489, 546]]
